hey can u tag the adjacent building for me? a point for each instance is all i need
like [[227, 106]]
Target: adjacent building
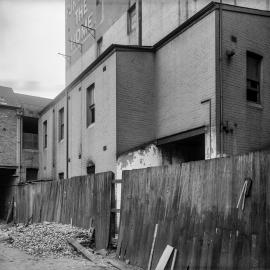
[[19, 154], [158, 82]]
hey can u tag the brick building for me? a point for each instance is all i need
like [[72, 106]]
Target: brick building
[[19, 136], [187, 81]]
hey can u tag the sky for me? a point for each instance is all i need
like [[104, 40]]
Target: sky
[[32, 32]]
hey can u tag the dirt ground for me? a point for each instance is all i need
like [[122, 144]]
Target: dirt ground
[[14, 259]]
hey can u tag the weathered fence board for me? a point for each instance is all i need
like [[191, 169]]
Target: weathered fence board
[[195, 207], [75, 200]]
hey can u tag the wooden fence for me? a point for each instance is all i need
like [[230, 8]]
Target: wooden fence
[[195, 205], [74, 200]]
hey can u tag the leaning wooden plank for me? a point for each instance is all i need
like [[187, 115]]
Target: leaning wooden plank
[[164, 258], [152, 248], [174, 258], [81, 249], [10, 211]]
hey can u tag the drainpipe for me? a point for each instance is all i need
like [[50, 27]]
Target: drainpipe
[[54, 145], [221, 78], [140, 22], [19, 141], [67, 149], [209, 101]]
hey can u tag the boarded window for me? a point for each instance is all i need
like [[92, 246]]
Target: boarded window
[[253, 77], [31, 174], [61, 124], [45, 136], [90, 105], [132, 19]]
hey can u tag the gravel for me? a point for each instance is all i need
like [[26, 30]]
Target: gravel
[[46, 239]]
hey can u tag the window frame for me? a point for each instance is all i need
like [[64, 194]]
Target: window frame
[[131, 9], [45, 134], [90, 107], [99, 46], [250, 82], [61, 124]]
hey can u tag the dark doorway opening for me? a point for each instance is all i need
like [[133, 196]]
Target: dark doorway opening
[[188, 149], [7, 179]]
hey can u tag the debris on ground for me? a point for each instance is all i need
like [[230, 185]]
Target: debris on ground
[[4, 237], [102, 252], [47, 238], [85, 252]]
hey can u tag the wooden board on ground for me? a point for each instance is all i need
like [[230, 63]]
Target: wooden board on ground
[[164, 258], [81, 249]]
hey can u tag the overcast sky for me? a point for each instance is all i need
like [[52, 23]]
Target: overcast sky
[[32, 32]]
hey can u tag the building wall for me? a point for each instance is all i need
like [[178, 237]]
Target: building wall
[[184, 76], [159, 18], [8, 137], [96, 143], [135, 99], [48, 156], [111, 25], [249, 122]]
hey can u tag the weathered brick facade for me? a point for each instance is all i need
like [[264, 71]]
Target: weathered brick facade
[[249, 123], [8, 136], [146, 94]]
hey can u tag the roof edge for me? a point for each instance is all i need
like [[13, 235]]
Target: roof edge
[[98, 61], [174, 33]]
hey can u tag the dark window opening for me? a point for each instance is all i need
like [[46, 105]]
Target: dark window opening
[[90, 105], [132, 19], [61, 176], [30, 133], [253, 77], [31, 174], [45, 134], [61, 124]]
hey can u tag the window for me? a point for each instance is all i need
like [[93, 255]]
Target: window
[[31, 174], [90, 105], [132, 19], [30, 133], [253, 77], [99, 46], [61, 176], [45, 136], [61, 124]]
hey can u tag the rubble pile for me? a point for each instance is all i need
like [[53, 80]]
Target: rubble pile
[[47, 238]]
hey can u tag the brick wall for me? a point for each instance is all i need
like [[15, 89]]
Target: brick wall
[[135, 99], [249, 122], [8, 137], [96, 142], [184, 76]]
